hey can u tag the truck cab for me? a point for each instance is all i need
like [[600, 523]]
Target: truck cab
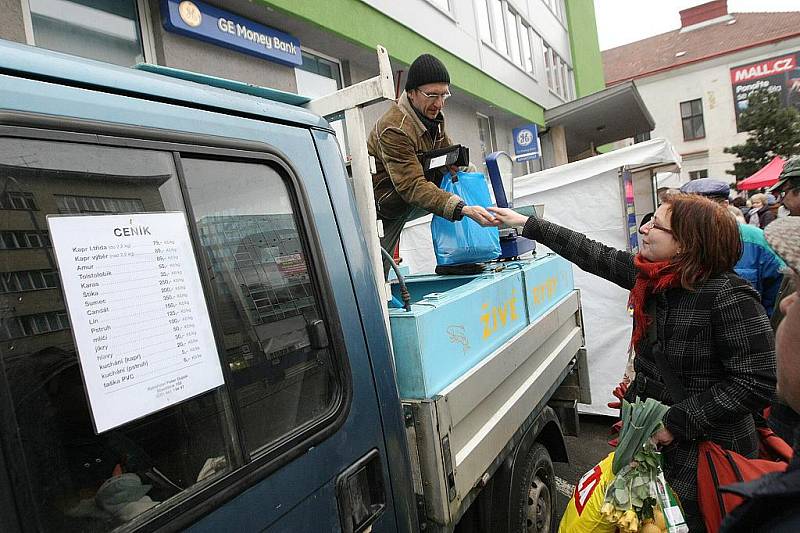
[[316, 424]]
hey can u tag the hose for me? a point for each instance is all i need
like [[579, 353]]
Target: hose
[[404, 294]]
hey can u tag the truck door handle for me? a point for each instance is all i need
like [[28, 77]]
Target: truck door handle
[[361, 493]]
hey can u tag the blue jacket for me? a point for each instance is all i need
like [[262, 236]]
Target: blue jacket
[[760, 265]]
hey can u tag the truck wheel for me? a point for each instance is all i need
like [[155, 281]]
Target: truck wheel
[[532, 494]]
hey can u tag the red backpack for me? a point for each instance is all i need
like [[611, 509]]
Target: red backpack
[[717, 467]]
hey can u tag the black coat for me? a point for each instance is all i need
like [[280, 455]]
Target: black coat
[[772, 503], [717, 339]]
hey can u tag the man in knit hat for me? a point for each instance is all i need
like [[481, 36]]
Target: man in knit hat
[[412, 126]]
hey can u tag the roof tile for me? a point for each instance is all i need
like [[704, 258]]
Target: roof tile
[[657, 53]]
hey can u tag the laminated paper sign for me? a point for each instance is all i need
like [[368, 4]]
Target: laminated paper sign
[[137, 312]]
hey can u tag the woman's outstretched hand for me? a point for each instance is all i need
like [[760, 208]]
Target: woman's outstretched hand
[[508, 216]]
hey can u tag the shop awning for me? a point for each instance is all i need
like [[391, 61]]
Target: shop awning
[[600, 118], [766, 177]]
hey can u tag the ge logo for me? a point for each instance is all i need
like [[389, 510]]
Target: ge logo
[[524, 138], [190, 14]]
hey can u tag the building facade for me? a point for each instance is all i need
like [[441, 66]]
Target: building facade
[[695, 80], [509, 60]]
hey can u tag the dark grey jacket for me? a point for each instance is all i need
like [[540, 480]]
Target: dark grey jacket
[[717, 339]]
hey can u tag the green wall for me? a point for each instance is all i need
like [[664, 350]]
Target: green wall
[[360, 23], [586, 59]]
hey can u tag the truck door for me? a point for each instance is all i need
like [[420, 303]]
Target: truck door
[[293, 439]]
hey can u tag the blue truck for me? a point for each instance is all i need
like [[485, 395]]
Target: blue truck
[[332, 412]]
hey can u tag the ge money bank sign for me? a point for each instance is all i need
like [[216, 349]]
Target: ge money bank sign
[[779, 75], [207, 23]]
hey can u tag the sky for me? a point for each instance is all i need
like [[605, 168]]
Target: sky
[[625, 21]]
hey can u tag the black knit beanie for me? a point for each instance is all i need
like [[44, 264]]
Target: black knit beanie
[[426, 69]]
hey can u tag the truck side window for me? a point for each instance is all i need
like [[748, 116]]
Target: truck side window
[[69, 478], [264, 298]]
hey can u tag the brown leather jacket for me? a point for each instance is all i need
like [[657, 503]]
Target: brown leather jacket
[[397, 143]]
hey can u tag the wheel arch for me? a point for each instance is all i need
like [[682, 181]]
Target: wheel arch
[[546, 430]]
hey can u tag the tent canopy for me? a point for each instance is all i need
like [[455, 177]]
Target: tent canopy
[[656, 153], [767, 176], [588, 196]]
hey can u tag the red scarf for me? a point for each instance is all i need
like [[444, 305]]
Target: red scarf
[[652, 278]]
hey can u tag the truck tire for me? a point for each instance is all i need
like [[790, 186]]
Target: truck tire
[[532, 505]]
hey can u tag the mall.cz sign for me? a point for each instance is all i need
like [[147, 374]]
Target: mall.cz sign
[[780, 75], [205, 22]]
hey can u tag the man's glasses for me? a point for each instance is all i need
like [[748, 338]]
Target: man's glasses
[[652, 224], [434, 96]]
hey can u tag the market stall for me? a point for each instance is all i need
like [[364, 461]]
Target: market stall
[[604, 197]]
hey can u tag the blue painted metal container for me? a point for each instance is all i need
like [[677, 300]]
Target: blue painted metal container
[[547, 281], [456, 321]]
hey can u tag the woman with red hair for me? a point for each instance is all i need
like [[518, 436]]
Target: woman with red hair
[[691, 308]]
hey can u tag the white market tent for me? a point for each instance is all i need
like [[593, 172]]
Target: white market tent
[[586, 196]]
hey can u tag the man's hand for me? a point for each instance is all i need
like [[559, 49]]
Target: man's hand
[[508, 216], [479, 215]]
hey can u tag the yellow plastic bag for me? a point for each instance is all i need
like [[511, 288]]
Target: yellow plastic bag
[[583, 510]]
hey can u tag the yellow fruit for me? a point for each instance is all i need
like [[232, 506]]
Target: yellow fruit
[[650, 528], [658, 519]]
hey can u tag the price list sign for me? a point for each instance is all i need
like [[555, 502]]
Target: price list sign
[[137, 312]]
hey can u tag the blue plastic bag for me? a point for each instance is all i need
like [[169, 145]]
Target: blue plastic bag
[[465, 241]]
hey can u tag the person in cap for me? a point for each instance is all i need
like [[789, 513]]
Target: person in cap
[[788, 186], [412, 126], [772, 502], [788, 189], [758, 264], [783, 419], [761, 213]]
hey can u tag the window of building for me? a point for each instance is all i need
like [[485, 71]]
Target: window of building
[[96, 204], [444, 5], [486, 134], [320, 76], [106, 30], [641, 137], [692, 119], [10, 240], [17, 200], [484, 22], [548, 65], [498, 31], [256, 261], [557, 8], [698, 174], [28, 280], [560, 78], [512, 28], [561, 11], [527, 56]]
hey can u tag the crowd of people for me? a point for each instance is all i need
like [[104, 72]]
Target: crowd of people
[[714, 279]]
